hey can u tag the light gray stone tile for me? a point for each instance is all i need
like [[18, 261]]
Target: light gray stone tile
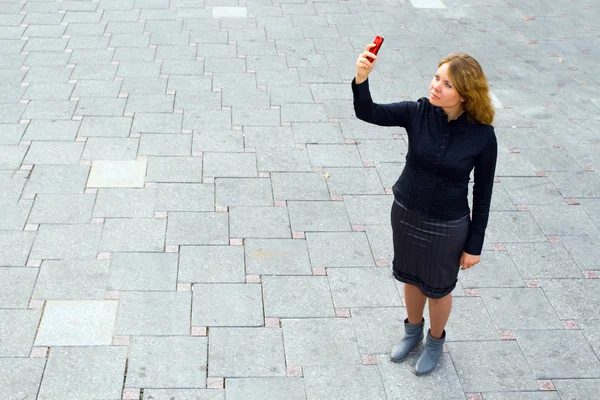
[[245, 352], [15, 247], [532, 190], [573, 298], [318, 216], [496, 269], [259, 222], [243, 192], [283, 159], [185, 197], [143, 271], [55, 130], [513, 226], [46, 109], [558, 354], [12, 156], [324, 133], [12, 133], [492, 366], [550, 159], [15, 214], [133, 234], [573, 389], [69, 242], [84, 372], [218, 141], [543, 260], [77, 323], [105, 126], [564, 220], [350, 287], [117, 174], [48, 91], [157, 123], [20, 378], [125, 203], [150, 103], [72, 280], [154, 314], [299, 186], [185, 394], [100, 107], [144, 85], [344, 181], [344, 382], [268, 136], [297, 297], [368, 209], [228, 304], [211, 264], [11, 113], [339, 249], [164, 362], [110, 149], [378, 329], [184, 229], [16, 285], [380, 240], [54, 153], [277, 257], [585, 250], [522, 395], [320, 342], [278, 388], [333, 155], [230, 165], [165, 145], [174, 169], [577, 184], [17, 331]]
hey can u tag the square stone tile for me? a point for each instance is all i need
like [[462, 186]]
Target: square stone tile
[[16, 285], [20, 378], [246, 352], [315, 132], [198, 228], [174, 169], [318, 216], [496, 269], [46, 109], [125, 203], [543, 260], [185, 197], [352, 287], [116, 126], [585, 250], [71, 280], [369, 209], [17, 331], [320, 342], [558, 354], [283, 159], [346, 181], [117, 174], [211, 264], [157, 122], [297, 297], [299, 186], [400, 382], [218, 141], [165, 144], [143, 271], [345, 382], [277, 388], [167, 362], [573, 389], [15, 247], [531, 190], [62, 208], [514, 308], [12, 156], [70, 242], [12, 133], [154, 313], [185, 394], [54, 153], [573, 299], [77, 323], [334, 155], [110, 149], [259, 222], [492, 366], [227, 305], [268, 136], [277, 257], [100, 107], [133, 234], [16, 214], [564, 220], [378, 329], [57, 179], [230, 165], [83, 373], [339, 249], [243, 192], [513, 226]]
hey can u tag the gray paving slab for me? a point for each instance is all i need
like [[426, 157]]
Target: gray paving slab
[[185, 394], [142, 271], [351, 287], [183, 228], [21, 377], [71, 242], [17, 332], [72, 280], [232, 305], [297, 297], [133, 234], [277, 388], [259, 222], [185, 197]]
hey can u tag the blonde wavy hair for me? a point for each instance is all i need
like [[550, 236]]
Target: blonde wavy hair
[[471, 83]]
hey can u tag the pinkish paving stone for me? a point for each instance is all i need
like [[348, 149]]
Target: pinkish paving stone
[[300, 145], [522, 207], [496, 179], [253, 279], [389, 191], [298, 235], [319, 271], [264, 174], [358, 228], [590, 274], [445, 348], [120, 341], [172, 248], [38, 352], [97, 221], [337, 197], [369, 359], [184, 287], [272, 323], [221, 209], [160, 214], [250, 150], [570, 324], [294, 371], [498, 247], [31, 227], [131, 394], [199, 331], [280, 203], [350, 141], [540, 173], [507, 335], [33, 263], [474, 396], [472, 292], [553, 239], [36, 304], [588, 168], [317, 169], [513, 150], [546, 385], [382, 262], [369, 164], [214, 383], [208, 179], [236, 242], [104, 255], [342, 313], [573, 202], [111, 295], [532, 283]]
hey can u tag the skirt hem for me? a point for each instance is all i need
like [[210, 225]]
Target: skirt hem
[[428, 291]]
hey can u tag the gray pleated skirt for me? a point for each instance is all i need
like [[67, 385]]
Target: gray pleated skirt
[[427, 251]]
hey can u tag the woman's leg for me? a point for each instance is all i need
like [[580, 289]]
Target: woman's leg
[[439, 312], [415, 303]]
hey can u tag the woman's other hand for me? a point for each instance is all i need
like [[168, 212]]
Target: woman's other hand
[[363, 65], [468, 260]]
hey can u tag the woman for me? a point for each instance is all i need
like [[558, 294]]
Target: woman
[[434, 233]]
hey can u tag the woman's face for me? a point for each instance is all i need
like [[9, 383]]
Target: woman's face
[[441, 90]]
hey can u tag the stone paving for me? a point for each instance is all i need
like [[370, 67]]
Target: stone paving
[[191, 210]]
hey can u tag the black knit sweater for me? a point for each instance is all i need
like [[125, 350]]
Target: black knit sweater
[[440, 158]]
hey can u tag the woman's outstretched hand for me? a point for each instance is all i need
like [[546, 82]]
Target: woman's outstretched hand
[[468, 260], [363, 65]]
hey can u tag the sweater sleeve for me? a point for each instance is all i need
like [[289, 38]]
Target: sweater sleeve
[[485, 167], [393, 114]]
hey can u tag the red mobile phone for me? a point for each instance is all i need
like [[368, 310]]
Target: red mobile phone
[[378, 42]]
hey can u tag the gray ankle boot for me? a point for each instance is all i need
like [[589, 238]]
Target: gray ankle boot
[[412, 337], [431, 354]]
